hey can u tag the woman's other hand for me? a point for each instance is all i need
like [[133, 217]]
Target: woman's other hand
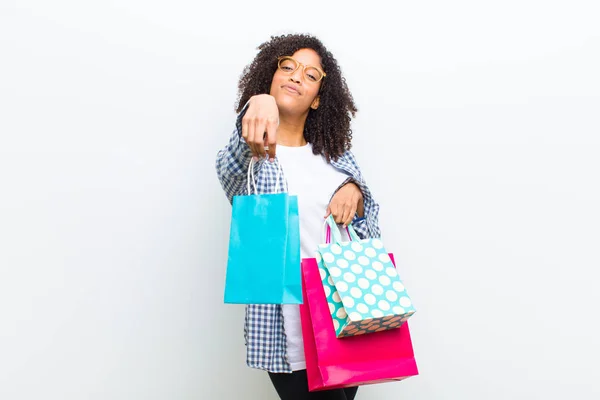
[[346, 202], [262, 116]]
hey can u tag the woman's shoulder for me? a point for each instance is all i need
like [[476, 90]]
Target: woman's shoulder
[[347, 159], [347, 162]]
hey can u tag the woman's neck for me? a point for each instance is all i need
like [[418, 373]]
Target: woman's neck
[[291, 131]]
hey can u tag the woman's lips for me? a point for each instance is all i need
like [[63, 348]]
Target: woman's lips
[[291, 89]]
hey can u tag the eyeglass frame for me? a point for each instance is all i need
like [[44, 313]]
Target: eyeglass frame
[[323, 74]]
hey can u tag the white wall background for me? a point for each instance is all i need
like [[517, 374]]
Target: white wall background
[[479, 132]]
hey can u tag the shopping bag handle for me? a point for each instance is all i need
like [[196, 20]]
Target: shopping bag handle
[[330, 227], [250, 177]]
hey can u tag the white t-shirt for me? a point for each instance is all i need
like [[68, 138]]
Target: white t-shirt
[[314, 181]]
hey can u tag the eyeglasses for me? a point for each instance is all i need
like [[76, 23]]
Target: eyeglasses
[[289, 65]]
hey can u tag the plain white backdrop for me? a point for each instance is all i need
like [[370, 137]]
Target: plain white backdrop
[[478, 131]]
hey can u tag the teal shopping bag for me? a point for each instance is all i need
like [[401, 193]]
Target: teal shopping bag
[[263, 265], [361, 283]]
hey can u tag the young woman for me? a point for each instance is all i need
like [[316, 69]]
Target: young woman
[[295, 110]]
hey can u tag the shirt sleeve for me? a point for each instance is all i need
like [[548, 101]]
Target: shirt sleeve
[[233, 160], [367, 226]]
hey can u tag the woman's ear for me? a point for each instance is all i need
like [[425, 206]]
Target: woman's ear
[[315, 103]]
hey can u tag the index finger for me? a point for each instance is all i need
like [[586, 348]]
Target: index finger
[[259, 135], [348, 215], [271, 139]]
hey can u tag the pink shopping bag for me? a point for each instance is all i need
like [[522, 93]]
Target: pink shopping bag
[[358, 360]]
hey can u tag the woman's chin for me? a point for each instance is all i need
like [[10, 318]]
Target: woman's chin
[[290, 107]]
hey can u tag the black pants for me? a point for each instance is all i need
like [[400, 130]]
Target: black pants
[[294, 386]]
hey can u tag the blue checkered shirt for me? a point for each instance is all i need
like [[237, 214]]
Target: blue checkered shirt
[[263, 329]]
